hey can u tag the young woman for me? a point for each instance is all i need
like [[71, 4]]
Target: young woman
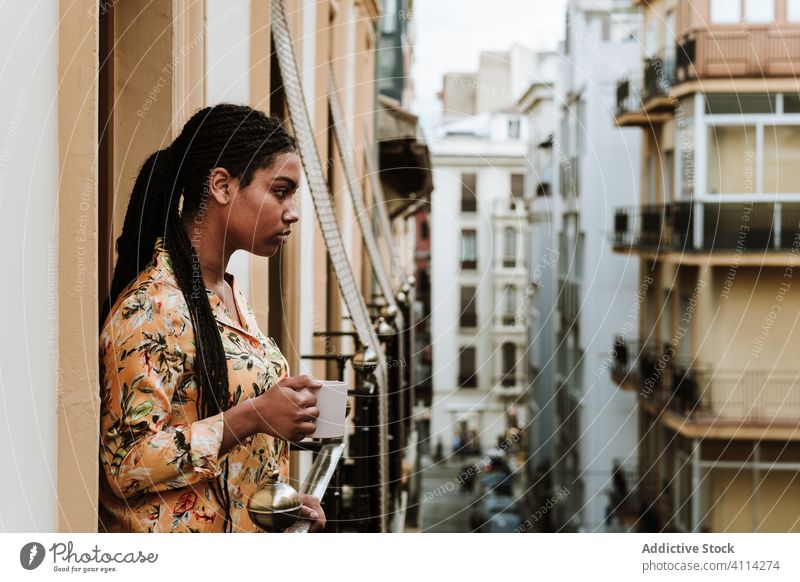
[[197, 404]]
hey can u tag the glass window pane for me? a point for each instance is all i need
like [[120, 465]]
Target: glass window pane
[[731, 159], [518, 185], [781, 159], [685, 138], [791, 102], [793, 10], [468, 246], [469, 202], [725, 11], [668, 169], [759, 10], [732, 103], [510, 242]]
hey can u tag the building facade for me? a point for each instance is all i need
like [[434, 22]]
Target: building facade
[[478, 260], [110, 109], [595, 169], [716, 232]]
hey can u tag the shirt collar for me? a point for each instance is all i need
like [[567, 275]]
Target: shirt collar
[[163, 265]]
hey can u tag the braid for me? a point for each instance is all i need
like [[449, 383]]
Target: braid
[[235, 137]]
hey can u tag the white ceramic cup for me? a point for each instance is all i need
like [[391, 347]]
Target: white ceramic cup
[[332, 403]]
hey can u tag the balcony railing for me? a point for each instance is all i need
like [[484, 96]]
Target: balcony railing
[[319, 477], [753, 51], [659, 75], [709, 226], [629, 96], [659, 78], [698, 392], [638, 502]]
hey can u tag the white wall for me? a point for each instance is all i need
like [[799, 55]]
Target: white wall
[[28, 320], [609, 178]]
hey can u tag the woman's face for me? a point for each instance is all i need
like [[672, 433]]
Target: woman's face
[[261, 214]]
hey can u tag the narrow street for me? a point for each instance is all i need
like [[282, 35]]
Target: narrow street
[[444, 507]]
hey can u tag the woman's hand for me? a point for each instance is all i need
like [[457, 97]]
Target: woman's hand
[[311, 509], [288, 410]]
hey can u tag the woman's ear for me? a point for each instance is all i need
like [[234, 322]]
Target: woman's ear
[[221, 186]]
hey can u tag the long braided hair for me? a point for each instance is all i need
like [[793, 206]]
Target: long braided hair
[[235, 137]]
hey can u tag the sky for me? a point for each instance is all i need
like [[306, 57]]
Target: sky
[[450, 35]]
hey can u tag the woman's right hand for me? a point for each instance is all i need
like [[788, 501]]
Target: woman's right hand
[[287, 410]]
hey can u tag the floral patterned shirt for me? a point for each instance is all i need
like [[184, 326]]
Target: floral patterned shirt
[[161, 467]]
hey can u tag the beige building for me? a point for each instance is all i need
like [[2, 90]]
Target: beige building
[[710, 350], [119, 83]]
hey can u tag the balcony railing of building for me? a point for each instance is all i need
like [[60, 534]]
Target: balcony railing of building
[[755, 50], [745, 226], [659, 76], [696, 391], [637, 502], [629, 97]]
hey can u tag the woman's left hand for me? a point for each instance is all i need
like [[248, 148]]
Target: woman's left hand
[[311, 509]]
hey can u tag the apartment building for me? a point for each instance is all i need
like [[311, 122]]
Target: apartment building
[[478, 276], [595, 164], [334, 299], [716, 232], [543, 209]]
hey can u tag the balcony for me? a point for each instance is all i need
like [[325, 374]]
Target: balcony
[[694, 392], [704, 227], [646, 99], [639, 504], [768, 50], [624, 363]]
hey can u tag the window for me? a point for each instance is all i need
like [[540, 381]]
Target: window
[[759, 10], [733, 103], [793, 10], [726, 11], [730, 11], [509, 353], [424, 231], [510, 247], [469, 251], [469, 199], [731, 159], [518, 185], [509, 305], [668, 170], [651, 179], [670, 39], [791, 102], [781, 159], [467, 378], [513, 128], [684, 137], [469, 314]]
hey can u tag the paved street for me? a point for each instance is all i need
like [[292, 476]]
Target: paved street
[[444, 508]]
